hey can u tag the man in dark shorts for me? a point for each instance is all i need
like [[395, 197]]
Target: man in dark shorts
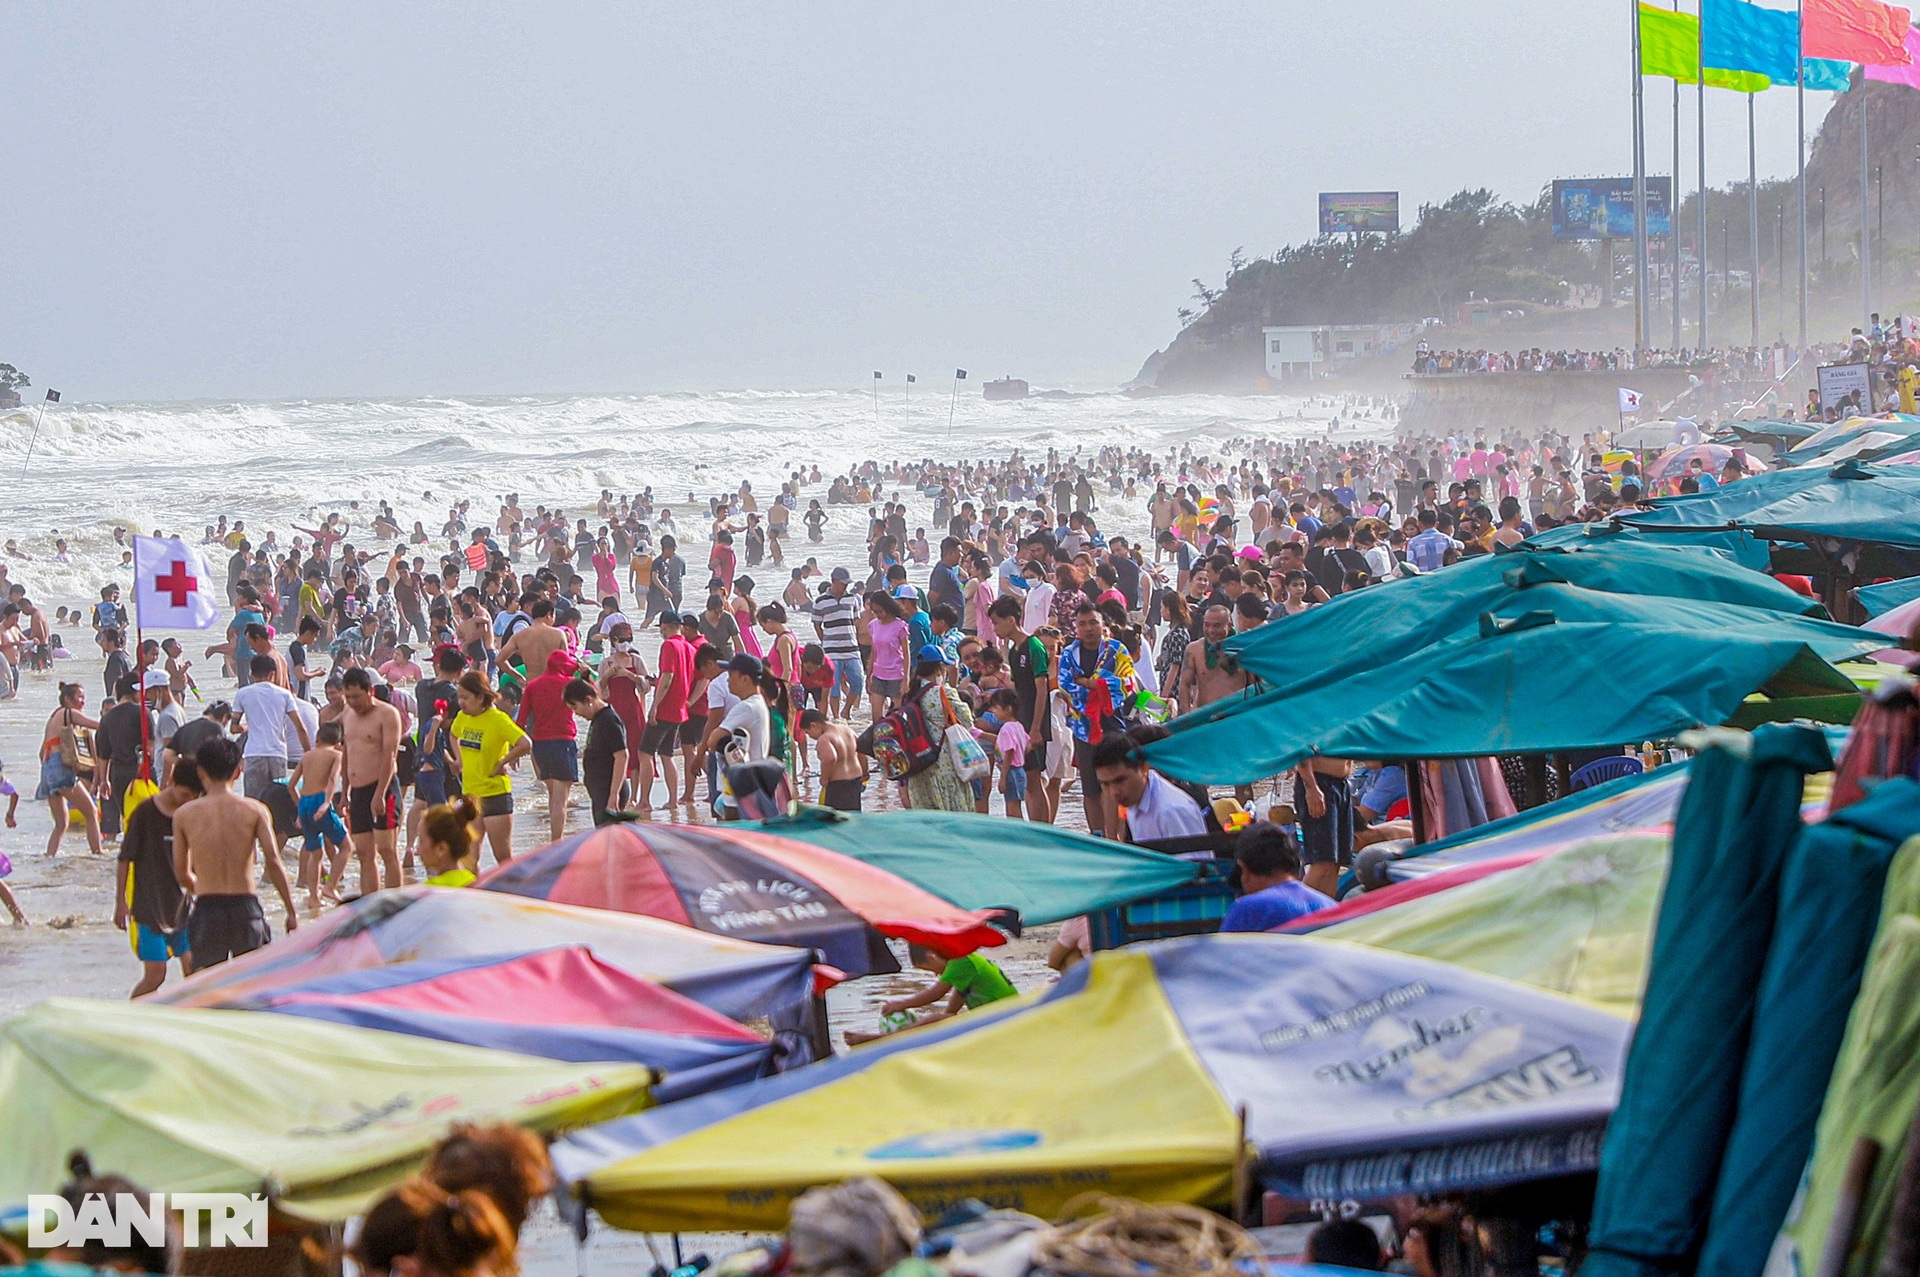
[[148, 903], [372, 744], [604, 760], [1324, 799], [667, 725], [215, 840], [1032, 681]]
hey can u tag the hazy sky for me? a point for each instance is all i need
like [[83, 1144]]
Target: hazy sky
[[215, 200]]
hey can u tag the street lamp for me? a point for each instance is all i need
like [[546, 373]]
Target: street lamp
[[1823, 228], [1780, 261]]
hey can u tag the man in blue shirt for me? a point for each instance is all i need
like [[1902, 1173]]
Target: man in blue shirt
[[1272, 893], [1427, 550]]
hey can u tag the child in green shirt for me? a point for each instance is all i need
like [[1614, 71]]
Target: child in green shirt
[[970, 982]]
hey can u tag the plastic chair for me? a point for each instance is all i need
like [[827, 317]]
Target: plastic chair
[[1602, 770]]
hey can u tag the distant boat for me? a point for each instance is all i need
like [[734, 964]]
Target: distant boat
[[1006, 388]]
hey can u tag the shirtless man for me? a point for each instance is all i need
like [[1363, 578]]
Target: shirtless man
[[532, 645], [215, 838], [1206, 673], [373, 794], [843, 772]]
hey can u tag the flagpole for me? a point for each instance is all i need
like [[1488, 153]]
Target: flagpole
[[954, 402], [33, 438], [1674, 200], [1866, 242], [1700, 239], [1753, 223], [1639, 192], [876, 400], [1800, 140]]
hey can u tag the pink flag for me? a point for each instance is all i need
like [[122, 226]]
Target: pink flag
[[1857, 31], [1906, 75]]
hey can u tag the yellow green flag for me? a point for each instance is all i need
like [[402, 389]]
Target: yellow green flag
[[1670, 46]]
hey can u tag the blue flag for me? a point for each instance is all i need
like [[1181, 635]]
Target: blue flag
[[1738, 36], [1829, 75]]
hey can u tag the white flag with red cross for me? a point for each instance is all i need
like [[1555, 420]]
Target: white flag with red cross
[[172, 587]]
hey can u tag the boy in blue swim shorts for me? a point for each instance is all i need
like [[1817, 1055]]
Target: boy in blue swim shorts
[[314, 783]]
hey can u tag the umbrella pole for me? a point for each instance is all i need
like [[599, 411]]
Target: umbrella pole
[[1416, 798], [1845, 1225], [1243, 1198], [1565, 774]]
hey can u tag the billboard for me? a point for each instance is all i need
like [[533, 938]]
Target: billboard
[[1602, 208], [1344, 212]]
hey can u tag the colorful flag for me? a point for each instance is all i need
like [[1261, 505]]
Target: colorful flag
[[172, 586], [1907, 75], [1828, 74], [1739, 36], [1670, 47], [1857, 30]]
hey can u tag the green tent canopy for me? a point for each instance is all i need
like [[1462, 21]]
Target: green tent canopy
[[1849, 502], [1369, 627], [321, 1116], [987, 862], [1888, 595], [1875, 1084], [1741, 547], [1533, 683]]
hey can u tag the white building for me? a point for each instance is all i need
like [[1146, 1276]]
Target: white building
[[1298, 351]]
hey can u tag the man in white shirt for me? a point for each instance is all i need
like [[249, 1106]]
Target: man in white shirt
[[269, 711], [1156, 808], [745, 722]]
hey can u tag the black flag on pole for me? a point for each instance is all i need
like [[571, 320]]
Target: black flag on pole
[[53, 396], [876, 376], [959, 374], [911, 379]]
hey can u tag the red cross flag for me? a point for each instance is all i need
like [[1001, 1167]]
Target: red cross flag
[[172, 586]]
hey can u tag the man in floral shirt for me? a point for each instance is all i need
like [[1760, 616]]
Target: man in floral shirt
[[1097, 676]]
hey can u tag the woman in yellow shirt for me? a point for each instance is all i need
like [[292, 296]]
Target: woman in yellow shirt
[[483, 742]]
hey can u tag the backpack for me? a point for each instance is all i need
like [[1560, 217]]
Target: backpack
[[901, 744]]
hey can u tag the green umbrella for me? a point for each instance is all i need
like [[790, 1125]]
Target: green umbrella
[[1850, 502], [1829, 900], [1533, 683], [1663, 1144], [1368, 627], [1741, 547], [1875, 1083], [987, 862]]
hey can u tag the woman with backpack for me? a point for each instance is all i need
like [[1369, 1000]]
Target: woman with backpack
[[940, 787]]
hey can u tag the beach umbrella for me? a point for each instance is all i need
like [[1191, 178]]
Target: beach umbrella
[[1530, 684], [1642, 803], [1830, 897], [738, 978], [1042, 871], [1362, 1073], [323, 1117], [1739, 546], [1670, 467], [1663, 1148], [1369, 627], [1577, 921], [1847, 502], [1883, 598], [746, 885], [1835, 435], [1875, 1084], [560, 1003]]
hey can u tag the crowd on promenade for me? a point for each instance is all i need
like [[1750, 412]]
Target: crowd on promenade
[[1736, 362]]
